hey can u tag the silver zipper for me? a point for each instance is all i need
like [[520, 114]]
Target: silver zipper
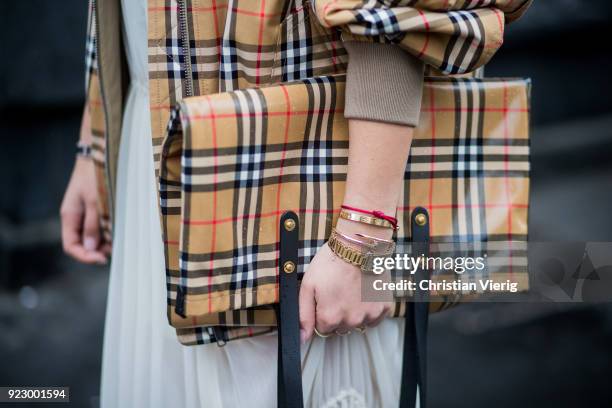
[[109, 186], [184, 33], [179, 306]]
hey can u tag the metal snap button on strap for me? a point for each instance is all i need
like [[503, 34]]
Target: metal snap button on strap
[[288, 267]]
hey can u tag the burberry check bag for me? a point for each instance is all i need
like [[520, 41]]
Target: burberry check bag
[[232, 163], [251, 183]]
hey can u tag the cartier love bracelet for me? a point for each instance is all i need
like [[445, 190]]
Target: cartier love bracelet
[[366, 218]]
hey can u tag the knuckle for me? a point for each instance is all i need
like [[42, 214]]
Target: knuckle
[[371, 317], [355, 320], [306, 285], [375, 312], [91, 202], [91, 224], [68, 212], [329, 318], [305, 319], [387, 309]]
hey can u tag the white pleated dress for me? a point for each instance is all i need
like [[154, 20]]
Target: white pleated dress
[[144, 365]]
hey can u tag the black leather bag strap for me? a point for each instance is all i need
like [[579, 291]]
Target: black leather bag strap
[[414, 360], [287, 316]]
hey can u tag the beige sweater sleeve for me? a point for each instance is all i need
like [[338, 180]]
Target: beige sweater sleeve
[[383, 83]]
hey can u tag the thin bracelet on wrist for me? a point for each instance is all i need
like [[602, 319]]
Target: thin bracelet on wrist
[[83, 150], [366, 219], [374, 213]]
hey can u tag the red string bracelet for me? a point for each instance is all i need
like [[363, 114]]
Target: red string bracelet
[[375, 213]]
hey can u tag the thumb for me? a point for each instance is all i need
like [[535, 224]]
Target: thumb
[[307, 311], [91, 228]]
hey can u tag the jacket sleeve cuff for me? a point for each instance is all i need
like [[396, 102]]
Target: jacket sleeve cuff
[[383, 83]]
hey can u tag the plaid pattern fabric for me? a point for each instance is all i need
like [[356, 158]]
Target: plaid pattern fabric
[[202, 47], [232, 45], [98, 127], [241, 43], [453, 36], [91, 59], [234, 162]]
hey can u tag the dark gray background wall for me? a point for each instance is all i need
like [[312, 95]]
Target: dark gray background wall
[[52, 310], [41, 98]]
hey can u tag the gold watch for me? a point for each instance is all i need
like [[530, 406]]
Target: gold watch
[[363, 258]]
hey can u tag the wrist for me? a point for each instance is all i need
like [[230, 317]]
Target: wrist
[[387, 203]]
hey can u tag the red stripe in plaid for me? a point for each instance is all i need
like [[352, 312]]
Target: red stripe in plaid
[[321, 211], [213, 240], [262, 215], [426, 44], [500, 21], [261, 14], [308, 112], [260, 41], [214, 9]]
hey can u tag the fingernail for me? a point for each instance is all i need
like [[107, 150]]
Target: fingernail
[[303, 336], [90, 244]]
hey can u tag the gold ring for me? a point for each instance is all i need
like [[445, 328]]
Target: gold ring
[[361, 329], [318, 333], [342, 333]]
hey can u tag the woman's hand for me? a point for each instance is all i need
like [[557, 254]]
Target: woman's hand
[[331, 291], [81, 236]]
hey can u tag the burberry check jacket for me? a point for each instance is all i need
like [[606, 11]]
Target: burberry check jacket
[[202, 47]]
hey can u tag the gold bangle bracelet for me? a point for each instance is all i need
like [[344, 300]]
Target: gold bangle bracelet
[[365, 219], [352, 240]]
